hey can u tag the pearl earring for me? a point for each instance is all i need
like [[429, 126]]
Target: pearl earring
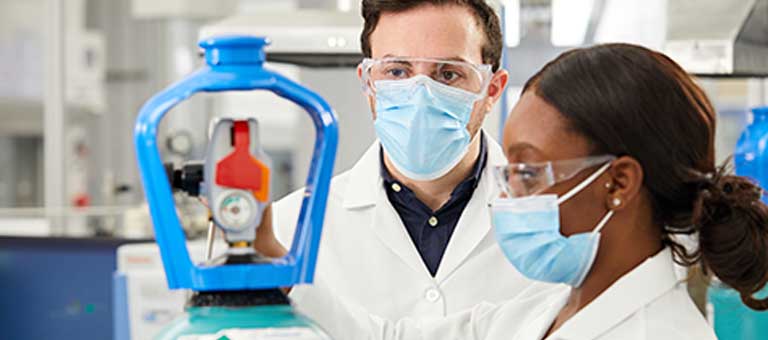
[[616, 202], [608, 185]]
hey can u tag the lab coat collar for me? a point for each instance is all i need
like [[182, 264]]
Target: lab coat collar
[[475, 222], [365, 176], [638, 288], [364, 180], [364, 190]]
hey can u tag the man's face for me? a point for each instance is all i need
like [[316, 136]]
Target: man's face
[[440, 32]]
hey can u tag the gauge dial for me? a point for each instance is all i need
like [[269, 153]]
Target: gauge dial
[[236, 209]]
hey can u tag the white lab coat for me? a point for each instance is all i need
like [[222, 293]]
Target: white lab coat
[[367, 258], [649, 303]]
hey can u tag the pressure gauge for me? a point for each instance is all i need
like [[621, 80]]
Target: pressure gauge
[[236, 209]]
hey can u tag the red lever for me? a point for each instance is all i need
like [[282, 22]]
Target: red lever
[[240, 169]]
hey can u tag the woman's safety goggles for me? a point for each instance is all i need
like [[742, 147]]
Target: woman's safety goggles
[[525, 179], [458, 74]]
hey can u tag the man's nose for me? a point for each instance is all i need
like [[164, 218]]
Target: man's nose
[[423, 68]]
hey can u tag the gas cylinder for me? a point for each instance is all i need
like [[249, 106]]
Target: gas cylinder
[[730, 317], [237, 295]]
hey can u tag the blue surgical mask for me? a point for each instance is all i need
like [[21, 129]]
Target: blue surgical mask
[[422, 125], [528, 232]]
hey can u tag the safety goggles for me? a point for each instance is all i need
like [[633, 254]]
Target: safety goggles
[[525, 179], [458, 74]]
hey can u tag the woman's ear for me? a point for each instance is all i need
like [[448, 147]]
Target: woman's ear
[[626, 182]]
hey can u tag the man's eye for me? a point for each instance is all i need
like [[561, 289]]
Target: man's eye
[[396, 73], [449, 76]]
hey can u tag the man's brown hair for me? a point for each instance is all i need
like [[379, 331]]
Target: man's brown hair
[[484, 14]]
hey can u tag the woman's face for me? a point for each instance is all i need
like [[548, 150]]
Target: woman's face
[[536, 132]]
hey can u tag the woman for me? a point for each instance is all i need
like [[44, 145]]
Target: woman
[[611, 152]]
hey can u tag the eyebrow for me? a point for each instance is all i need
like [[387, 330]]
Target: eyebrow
[[520, 147], [455, 58]]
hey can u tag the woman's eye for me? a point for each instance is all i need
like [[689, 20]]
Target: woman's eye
[[526, 174]]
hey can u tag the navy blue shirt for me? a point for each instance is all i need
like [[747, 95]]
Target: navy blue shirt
[[430, 230]]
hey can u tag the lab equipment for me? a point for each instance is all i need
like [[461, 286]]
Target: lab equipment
[[57, 288], [302, 36], [731, 318], [237, 295], [718, 37], [751, 155], [143, 304]]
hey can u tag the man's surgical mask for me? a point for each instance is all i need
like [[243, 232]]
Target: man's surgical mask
[[422, 108]]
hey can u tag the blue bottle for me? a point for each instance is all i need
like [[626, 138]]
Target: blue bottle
[[751, 155], [237, 298], [732, 319]]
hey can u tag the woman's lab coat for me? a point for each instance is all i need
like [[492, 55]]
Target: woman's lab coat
[[647, 303]]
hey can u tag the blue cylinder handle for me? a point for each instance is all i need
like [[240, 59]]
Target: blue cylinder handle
[[235, 63]]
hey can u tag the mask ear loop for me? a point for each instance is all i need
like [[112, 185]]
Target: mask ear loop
[[604, 221], [582, 185], [595, 233]]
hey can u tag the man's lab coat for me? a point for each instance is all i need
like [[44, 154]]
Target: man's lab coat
[[366, 257]]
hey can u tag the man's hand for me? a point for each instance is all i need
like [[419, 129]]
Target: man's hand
[[266, 243]]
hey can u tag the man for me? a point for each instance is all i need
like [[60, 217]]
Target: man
[[407, 230]]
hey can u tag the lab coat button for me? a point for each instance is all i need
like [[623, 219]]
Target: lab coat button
[[432, 295]]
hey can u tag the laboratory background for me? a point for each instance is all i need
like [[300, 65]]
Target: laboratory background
[[77, 252]]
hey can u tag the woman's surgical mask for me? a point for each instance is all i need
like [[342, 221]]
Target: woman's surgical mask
[[423, 107], [527, 222]]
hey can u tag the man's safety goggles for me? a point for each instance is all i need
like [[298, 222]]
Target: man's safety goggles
[[525, 179], [459, 74]]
